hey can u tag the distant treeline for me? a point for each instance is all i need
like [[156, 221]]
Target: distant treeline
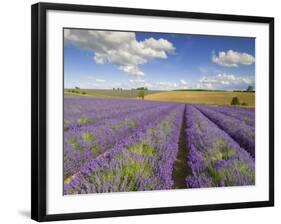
[[244, 91], [120, 89], [76, 91], [200, 90]]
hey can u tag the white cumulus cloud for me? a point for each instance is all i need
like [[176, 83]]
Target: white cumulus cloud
[[233, 58], [223, 80], [183, 82], [119, 48], [100, 80], [167, 85], [139, 82]]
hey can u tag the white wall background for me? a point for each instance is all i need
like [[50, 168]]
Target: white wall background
[[15, 110]]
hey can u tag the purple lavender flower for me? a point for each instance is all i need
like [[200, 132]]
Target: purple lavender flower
[[214, 158]]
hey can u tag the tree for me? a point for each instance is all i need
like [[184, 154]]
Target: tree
[[142, 88], [141, 93], [76, 87], [235, 101], [250, 89]]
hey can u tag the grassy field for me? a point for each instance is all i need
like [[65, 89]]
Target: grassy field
[[203, 97], [108, 93], [197, 97]]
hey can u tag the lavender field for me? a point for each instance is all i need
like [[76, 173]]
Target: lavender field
[[117, 145]]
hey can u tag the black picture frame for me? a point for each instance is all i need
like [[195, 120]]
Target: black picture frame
[[39, 107]]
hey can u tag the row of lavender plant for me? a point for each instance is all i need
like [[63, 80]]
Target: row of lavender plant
[[245, 115], [91, 111], [87, 142], [80, 105], [214, 158], [141, 161], [239, 131]]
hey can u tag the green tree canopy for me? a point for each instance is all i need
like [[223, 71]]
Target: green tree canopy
[[141, 93], [142, 88], [250, 89], [235, 101]]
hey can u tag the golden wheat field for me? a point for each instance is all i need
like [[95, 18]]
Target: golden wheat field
[[203, 97]]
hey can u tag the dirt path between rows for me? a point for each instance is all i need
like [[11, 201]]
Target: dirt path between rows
[[181, 170]]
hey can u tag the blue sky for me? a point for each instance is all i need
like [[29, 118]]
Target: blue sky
[[108, 59]]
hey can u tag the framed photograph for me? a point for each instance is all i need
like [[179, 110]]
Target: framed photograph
[[140, 111]]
